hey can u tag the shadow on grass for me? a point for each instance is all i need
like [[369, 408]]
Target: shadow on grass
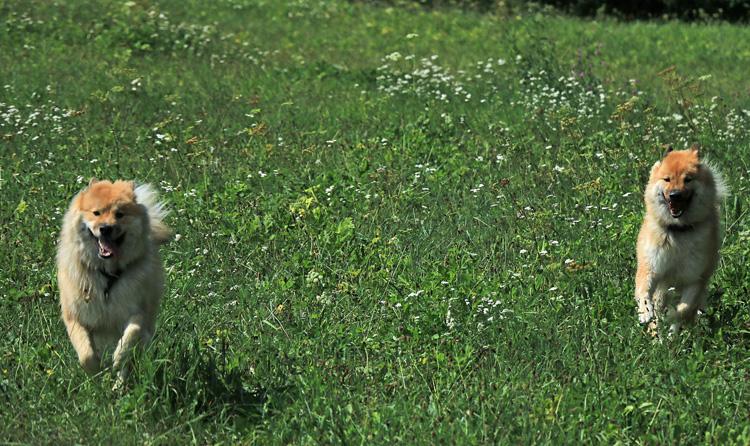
[[204, 378], [725, 322]]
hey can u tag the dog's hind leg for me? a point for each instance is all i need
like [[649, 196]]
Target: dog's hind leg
[[135, 334], [703, 302], [693, 297]]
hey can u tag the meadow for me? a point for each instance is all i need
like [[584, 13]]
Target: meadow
[[393, 224]]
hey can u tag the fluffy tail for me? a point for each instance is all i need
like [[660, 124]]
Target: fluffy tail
[[720, 184], [146, 195]]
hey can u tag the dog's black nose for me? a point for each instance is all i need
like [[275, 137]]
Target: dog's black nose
[[106, 230], [676, 196]]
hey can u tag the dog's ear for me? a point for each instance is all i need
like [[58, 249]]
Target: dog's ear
[[125, 184], [669, 148], [93, 181], [696, 148]]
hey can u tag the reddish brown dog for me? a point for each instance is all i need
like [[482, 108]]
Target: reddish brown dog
[[110, 271], [678, 246]]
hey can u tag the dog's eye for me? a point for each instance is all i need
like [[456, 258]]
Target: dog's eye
[[666, 180], [119, 215], [97, 213], [687, 180]]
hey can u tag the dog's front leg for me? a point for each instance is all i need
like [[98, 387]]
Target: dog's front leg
[[645, 288], [135, 333], [82, 342]]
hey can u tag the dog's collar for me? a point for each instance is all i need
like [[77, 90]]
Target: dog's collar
[[680, 228], [112, 279]]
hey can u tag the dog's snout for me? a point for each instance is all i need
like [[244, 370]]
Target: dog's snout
[[676, 196], [106, 230]]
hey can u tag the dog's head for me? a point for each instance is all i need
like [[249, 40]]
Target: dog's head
[[679, 184], [111, 220]]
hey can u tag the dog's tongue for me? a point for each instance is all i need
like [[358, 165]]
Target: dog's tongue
[[675, 209], [108, 248]]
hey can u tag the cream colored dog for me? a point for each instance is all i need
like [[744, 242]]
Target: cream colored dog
[[678, 246], [110, 271]]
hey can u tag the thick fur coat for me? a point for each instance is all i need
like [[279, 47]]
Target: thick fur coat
[[678, 245], [110, 271]]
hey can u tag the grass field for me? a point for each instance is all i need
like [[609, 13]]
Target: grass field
[[393, 224]]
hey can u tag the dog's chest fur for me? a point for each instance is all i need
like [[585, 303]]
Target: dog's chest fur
[[675, 257], [106, 312], [111, 302]]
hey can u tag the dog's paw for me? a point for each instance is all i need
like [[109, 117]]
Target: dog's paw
[[644, 318], [122, 377]]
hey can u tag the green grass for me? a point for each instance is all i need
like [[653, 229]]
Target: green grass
[[396, 225]]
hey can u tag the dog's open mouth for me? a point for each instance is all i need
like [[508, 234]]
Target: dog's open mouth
[[108, 248], [677, 206], [676, 209]]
